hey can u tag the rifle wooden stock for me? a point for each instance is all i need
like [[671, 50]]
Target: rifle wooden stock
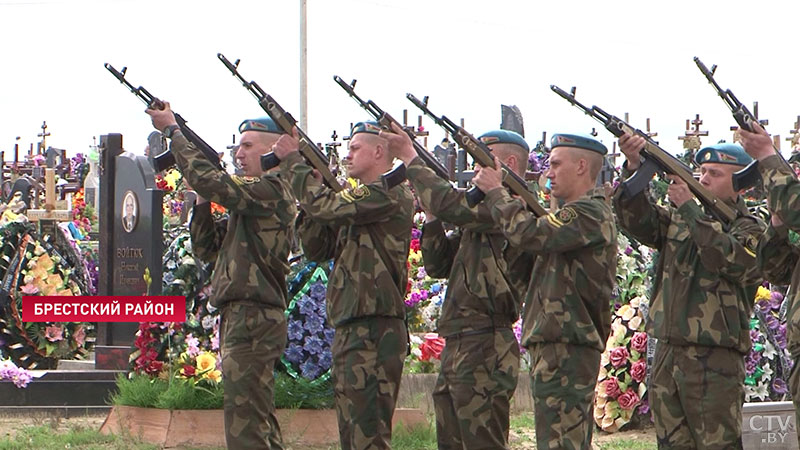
[[665, 161], [481, 153]]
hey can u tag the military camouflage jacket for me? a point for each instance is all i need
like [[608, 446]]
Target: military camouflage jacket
[[251, 257], [568, 299], [706, 278], [776, 256], [487, 277], [367, 230]]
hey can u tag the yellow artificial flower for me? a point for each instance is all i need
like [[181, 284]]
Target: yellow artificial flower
[[214, 375], [763, 294], [206, 361]]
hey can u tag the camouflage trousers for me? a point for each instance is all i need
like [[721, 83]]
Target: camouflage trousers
[[473, 391], [696, 395], [563, 377], [368, 357], [794, 389], [252, 339]]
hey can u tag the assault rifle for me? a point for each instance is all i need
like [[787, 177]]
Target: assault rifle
[[655, 160], [166, 159], [749, 176], [312, 154], [385, 121], [483, 156]]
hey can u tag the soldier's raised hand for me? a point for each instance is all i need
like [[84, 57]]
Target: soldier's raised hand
[[400, 145], [161, 118], [488, 178], [286, 144], [757, 144], [630, 145]]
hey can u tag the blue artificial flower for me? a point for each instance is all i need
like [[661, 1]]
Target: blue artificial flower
[[294, 353], [313, 345], [329, 333], [436, 287], [307, 305], [309, 370], [296, 330], [325, 360], [317, 291], [314, 324]]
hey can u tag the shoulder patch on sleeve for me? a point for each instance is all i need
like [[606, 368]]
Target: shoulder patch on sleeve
[[240, 180], [355, 194], [566, 215]]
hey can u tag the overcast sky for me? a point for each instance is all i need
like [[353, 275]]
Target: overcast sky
[[468, 56]]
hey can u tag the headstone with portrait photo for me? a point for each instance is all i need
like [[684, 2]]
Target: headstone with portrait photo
[[131, 242]]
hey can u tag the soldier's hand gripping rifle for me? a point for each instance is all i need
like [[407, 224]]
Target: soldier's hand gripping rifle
[[166, 159], [749, 176], [654, 160], [312, 154], [385, 121], [481, 153]]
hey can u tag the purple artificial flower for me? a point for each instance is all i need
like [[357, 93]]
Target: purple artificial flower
[[314, 324], [644, 407], [772, 322], [416, 233], [754, 334], [628, 250], [779, 386], [325, 360], [764, 305], [313, 345], [294, 353], [22, 378], [750, 365], [309, 370], [329, 334], [307, 305], [317, 291], [296, 331]]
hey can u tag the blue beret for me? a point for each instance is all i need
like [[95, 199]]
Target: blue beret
[[723, 153], [365, 127], [579, 141], [504, 137], [264, 124]]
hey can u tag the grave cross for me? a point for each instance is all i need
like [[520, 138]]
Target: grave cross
[[49, 216], [43, 135], [691, 138], [794, 134]]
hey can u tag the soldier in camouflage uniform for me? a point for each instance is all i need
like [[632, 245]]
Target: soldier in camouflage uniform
[[706, 280], [249, 279], [567, 305], [367, 229], [777, 256], [487, 279]]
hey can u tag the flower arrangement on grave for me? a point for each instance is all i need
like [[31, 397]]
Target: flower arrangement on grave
[[621, 390], [426, 353], [32, 266], [768, 364], [424, 295], [10, 372], [84, 217]]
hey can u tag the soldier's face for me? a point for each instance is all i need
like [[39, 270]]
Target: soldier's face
[[252, 145], [360, 157], [562, 173], [716, 178]]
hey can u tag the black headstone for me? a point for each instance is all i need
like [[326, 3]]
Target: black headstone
[[130, 241]]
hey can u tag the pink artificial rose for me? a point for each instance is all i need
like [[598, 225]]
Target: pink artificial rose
[[53, 333], [628, 400], [612, 388], [639, 341], [80, 336], [639, 371], [618, 356]]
